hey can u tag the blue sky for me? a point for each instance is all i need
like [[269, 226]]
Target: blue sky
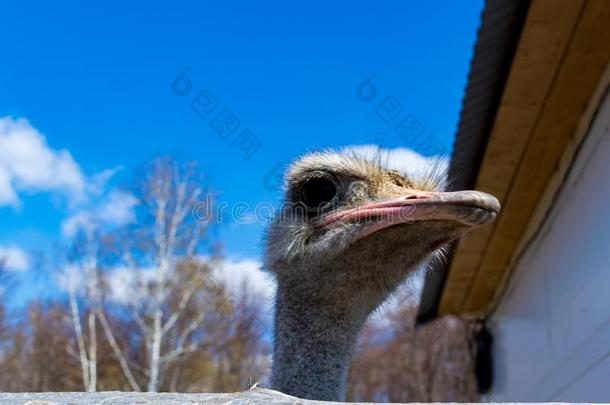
[[95, 81]]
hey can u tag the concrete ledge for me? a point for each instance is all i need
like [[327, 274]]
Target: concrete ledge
[[252, 396]]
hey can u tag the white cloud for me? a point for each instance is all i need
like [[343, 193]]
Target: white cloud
[[70, 278], [27, 163], [128, 285], [237, 273], [8, 196], [122, 284], [14, 258], [402, 159], [97, 183], [125, 284], [116, 208], [76, 222]]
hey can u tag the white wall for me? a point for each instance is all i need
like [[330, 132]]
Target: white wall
[[552, 328]]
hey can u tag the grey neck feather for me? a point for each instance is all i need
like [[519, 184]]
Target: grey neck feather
[[321, 305], [313, 343]]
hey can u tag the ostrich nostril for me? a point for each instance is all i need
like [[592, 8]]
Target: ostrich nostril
[[416, 196]]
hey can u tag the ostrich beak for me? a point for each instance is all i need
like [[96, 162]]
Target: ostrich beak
[[471, 208]]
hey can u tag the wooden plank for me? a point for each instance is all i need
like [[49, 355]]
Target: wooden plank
[[546, 35], [555, 184], [586, 58]]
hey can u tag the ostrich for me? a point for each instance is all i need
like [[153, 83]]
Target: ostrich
[[350, 231]]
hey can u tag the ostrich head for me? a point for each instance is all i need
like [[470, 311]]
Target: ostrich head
[[349, 233], [354, 227]]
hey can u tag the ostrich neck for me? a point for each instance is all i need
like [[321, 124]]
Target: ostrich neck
[[313, 343]]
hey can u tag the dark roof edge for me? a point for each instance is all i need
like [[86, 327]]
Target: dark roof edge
[[497, 38]]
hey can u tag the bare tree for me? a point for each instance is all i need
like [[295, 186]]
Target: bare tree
[[401, 363], [164, 247], [82, 280], [167, 325]]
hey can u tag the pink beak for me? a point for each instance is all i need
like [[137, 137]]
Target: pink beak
[[472, 208]]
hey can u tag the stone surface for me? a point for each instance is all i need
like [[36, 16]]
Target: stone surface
[[252, 396]]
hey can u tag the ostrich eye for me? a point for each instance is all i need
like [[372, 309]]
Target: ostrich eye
[[318, 192]]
